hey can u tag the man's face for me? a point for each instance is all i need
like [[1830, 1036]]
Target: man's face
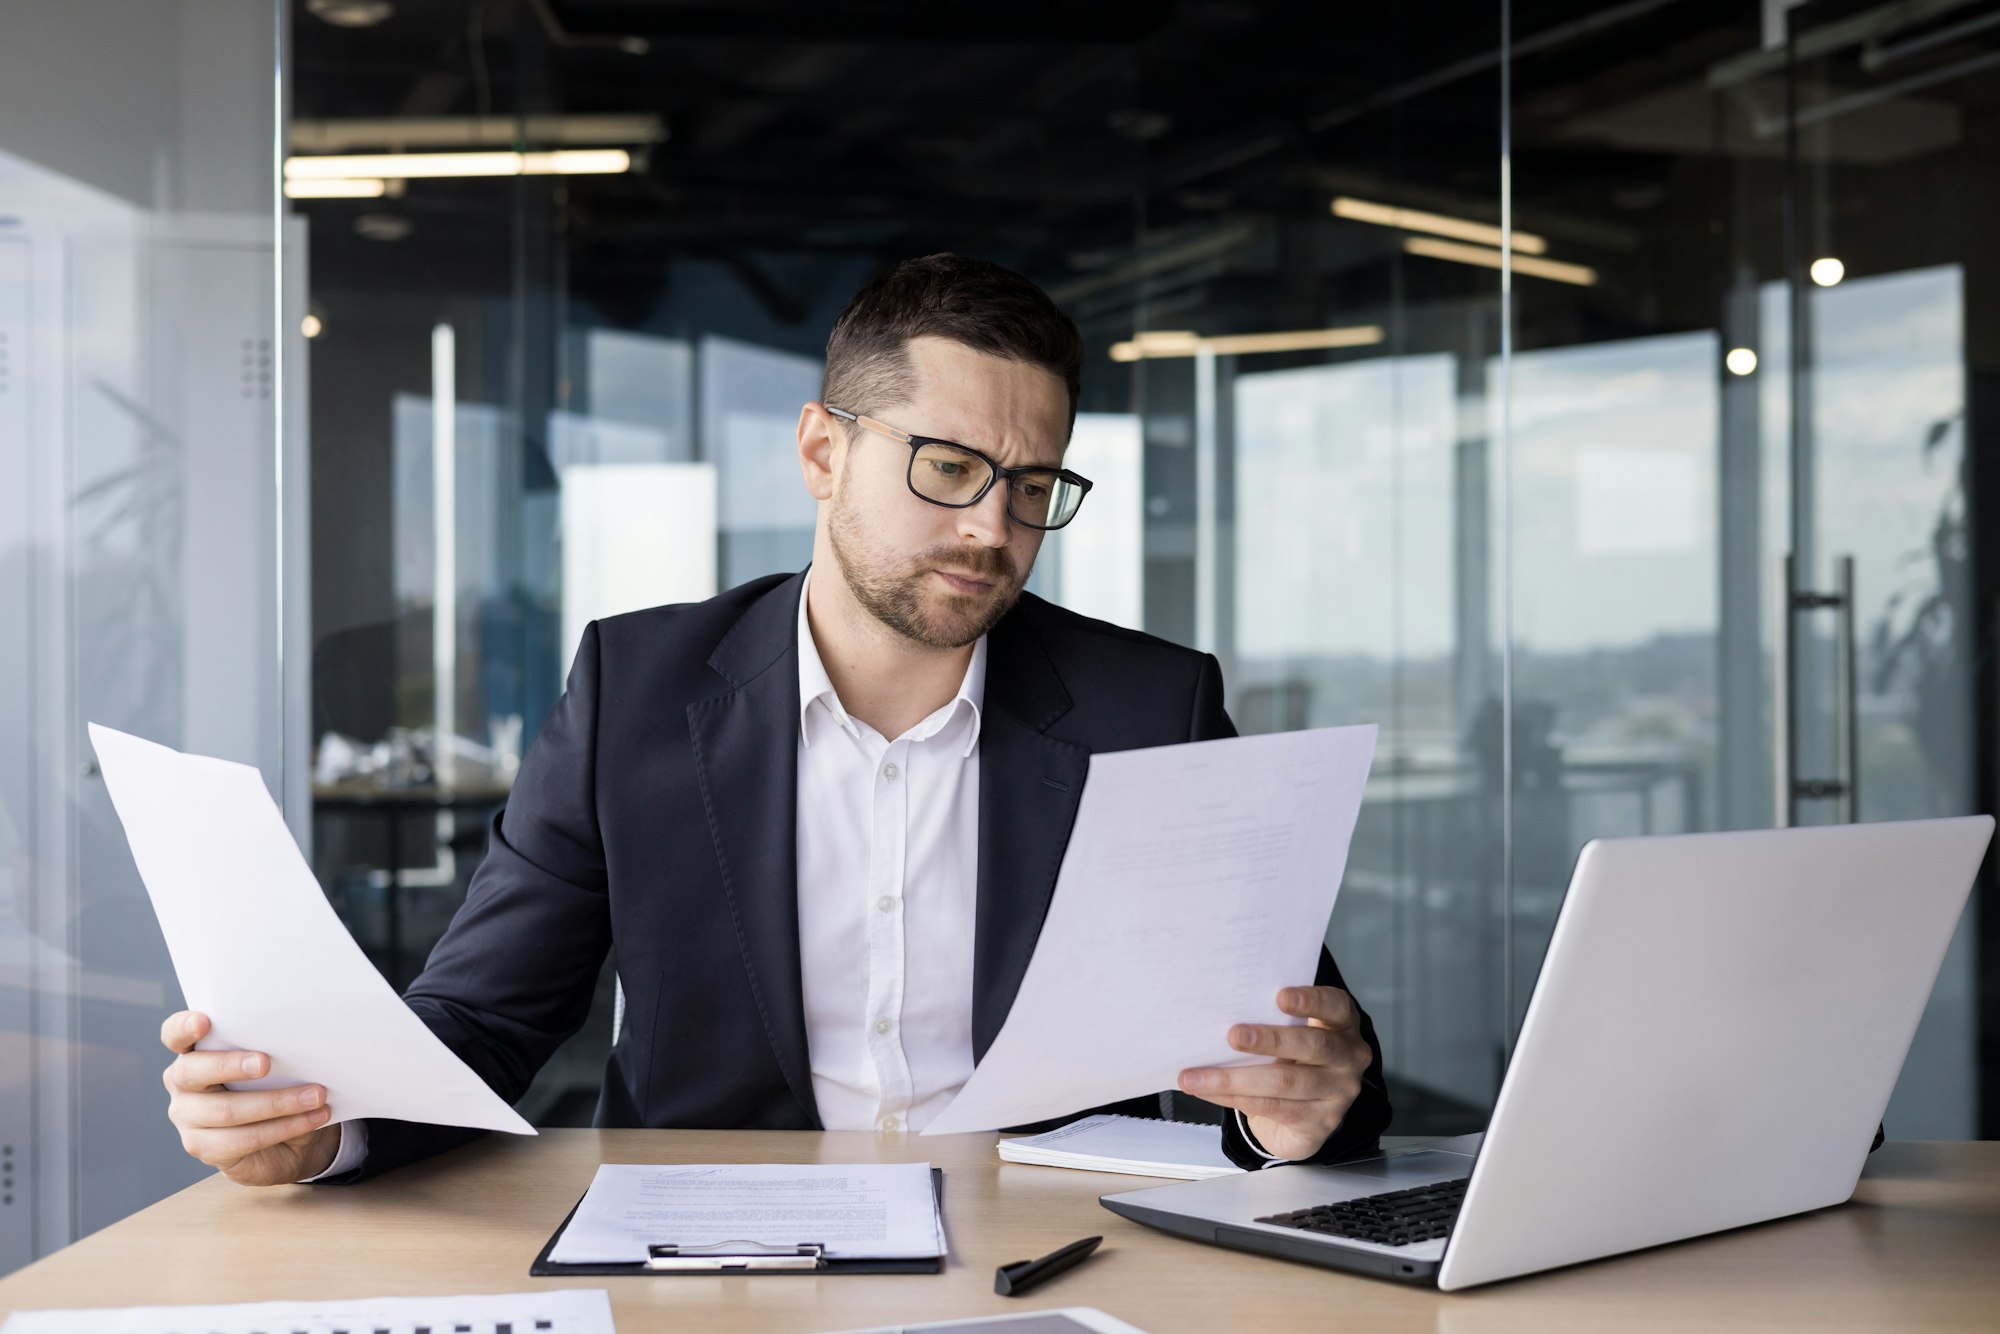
[[944, 577]]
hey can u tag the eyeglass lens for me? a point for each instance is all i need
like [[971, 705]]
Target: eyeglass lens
[[953, 476]]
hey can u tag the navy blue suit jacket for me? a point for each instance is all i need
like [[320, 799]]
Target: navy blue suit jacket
[[655, 815]]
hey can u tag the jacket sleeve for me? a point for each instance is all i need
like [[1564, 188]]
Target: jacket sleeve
[[513, 976], [1360, 1131]]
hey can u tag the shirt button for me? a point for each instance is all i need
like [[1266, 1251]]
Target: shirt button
[[890, 770], [890, 1125], [883, 1025], [886, 903]]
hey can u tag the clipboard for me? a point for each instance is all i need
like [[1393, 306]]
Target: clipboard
[[740, 1257]]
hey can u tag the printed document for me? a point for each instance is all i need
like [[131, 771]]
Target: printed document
[[871, 1211], [259, 950], [1198, 882], [556, 1311]]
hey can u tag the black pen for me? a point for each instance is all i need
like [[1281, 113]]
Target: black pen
[[1014, 1279]]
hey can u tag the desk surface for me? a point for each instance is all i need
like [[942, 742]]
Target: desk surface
[[1915, 1249]]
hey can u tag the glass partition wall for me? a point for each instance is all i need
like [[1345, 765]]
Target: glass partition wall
[[1287, 408], [1741, 460], [1519, 497], [1474, 378], [143, 554]]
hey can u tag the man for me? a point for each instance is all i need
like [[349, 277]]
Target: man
[[819, 817]]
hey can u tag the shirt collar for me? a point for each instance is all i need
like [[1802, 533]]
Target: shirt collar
[[815, 686]]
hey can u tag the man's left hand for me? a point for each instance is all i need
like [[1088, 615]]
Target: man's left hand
[[1295, 1101]]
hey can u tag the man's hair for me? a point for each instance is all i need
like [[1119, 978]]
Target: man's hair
[[971, 302]]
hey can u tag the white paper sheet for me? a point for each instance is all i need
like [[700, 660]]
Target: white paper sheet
[[554, 1311], [876, 1211], [259, 950], [1198, 882]]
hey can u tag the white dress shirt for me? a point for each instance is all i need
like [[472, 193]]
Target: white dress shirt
[[888, 858]]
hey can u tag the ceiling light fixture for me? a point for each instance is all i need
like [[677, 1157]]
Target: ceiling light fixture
[[350, 13], [1181, 343], [403, 134], [1828, 272], [336, 187], [1741, 361], [413, 166], [1414, 220], [1577, 275]]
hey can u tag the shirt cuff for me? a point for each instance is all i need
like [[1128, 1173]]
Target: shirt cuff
[[354, 1147], [1243, 1126]]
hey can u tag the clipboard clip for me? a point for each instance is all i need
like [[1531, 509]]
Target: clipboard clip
[[743, 1257]]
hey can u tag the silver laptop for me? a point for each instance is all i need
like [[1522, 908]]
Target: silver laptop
[[1714, 1035]]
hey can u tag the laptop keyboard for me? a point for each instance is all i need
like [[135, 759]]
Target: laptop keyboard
[[1399, 1218]]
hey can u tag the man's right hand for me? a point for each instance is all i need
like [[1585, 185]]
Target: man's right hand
[[264, 1138]]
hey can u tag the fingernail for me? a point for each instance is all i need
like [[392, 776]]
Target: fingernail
[[249, 1065], [1192, 1080], [309, 1098], [189, 1026], [1242, 1039]]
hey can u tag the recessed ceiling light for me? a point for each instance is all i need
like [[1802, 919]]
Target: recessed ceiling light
[[1827, 272], [1741, 361], [350, 13], [311, 326]]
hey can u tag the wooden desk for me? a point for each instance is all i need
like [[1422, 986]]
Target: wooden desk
[[1919, 1248]]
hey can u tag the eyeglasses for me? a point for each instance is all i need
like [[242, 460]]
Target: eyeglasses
[[958, 477]]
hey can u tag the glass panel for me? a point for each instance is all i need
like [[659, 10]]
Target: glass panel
[[1898, 259], [1318, 477], [139, 546], [1659, 466], [629, 355]]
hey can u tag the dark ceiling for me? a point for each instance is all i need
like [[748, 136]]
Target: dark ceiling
[[1072, 140]]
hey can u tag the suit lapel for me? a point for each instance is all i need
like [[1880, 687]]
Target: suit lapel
[[746, 759], [1029, 786]]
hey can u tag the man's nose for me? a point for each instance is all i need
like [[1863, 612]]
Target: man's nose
[[987, 522]]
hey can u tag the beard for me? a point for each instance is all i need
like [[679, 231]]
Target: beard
[[901, 596]]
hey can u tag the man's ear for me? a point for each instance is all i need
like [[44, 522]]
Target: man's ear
[[819, 444]]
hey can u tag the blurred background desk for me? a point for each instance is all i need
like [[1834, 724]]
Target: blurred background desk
[[360, 800], [395, 860], [1913, 1251]]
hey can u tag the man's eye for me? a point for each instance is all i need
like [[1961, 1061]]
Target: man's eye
[[1030, 490], [947, 468]]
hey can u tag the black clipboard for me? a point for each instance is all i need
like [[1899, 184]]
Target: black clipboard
[[741, 1258]]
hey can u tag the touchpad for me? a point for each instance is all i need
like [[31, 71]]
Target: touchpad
[[1408, 1168]]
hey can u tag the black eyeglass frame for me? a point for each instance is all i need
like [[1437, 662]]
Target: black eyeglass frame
[[995, 471]]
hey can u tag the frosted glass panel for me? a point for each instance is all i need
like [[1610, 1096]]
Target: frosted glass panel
[[1099, 558], [634, 536]]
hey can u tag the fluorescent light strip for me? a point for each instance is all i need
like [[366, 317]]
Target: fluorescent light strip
[[335, 187], [1414, 220], [1180, 343], [404, 133], [1577, 275], [409, 166]]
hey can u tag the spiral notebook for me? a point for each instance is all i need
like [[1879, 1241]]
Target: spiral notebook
[[1132, 1145]]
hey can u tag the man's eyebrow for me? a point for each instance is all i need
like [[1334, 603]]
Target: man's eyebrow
[[995, 454]]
